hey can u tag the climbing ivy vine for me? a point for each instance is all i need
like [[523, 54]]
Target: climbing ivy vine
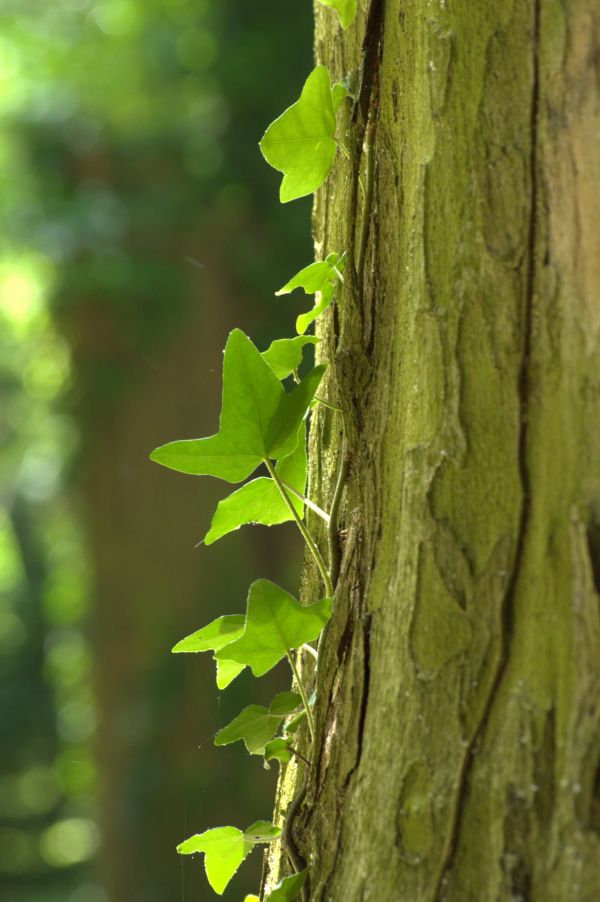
[[263, 425]]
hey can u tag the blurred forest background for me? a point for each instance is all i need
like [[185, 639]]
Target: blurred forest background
[[139, 225]]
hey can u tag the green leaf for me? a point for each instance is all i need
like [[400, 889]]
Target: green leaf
[[258, 418], [227, 671], [278, 749], [319, 279], [284, 355], [260, 501], [295, 722], [289, 888], [314, 277], [301, 142], [282, 435], [305, 319], [262, 831], [346, 10], [225, 848], [214, 636], [255, 725], [285, 703], [339, 92], [275, 624]]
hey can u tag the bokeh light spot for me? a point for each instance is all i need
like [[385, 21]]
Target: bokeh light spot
[[69, 842]]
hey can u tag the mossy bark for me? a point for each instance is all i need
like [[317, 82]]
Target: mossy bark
[[458, 712]]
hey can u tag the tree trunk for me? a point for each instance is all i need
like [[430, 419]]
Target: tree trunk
[[458, 715]]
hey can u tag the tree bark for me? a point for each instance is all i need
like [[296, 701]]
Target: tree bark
[[458, 713]]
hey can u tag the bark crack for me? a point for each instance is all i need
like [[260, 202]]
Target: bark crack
[[524, 391], [364, 699]]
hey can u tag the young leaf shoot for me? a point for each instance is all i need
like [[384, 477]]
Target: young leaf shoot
[[301, 142], [346, 10]]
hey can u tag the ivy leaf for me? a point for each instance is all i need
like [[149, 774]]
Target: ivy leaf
[[284, 355], [225, 848], [275, 624], [256, 725], [295, 722], [227, 671], [282, 434], [278, 749], [314, 277], [216, 635], [260, 501], [339, 92], [319, 279], [301, 142], [259, 419], [285, 703], [346, 10], [262, 831], [287, 889]]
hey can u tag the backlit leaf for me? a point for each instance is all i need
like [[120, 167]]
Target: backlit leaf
[[256, 725], [319, 279], [225, 848], [339, 92], [259, 419], [214, 636], [301, 142], [227, 671], [278, 749], [287, 889], [275, 624], [346, 10], [284, 355], [262, 831], [260, 501]]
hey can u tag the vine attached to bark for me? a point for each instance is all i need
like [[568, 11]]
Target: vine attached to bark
[[263, 424]]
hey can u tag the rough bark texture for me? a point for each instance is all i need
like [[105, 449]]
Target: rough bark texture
[[458, 712]]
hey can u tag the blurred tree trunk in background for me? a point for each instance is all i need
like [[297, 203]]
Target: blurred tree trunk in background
[[129, 136], [158, 777], [151, 587], [458, 742]]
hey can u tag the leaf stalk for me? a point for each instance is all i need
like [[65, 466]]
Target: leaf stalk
[[310, 542], [302, 691]]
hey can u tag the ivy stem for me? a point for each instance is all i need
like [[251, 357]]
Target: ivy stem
[[328, 404], [313, 651], [302, 691], [317, 398], [299, 755], [366, 205], [314, 507], [332, 534], [343, 148], [310, 542]]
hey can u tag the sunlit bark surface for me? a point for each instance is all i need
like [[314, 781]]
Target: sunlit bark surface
[[458, 711]]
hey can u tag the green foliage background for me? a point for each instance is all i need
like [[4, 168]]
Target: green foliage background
[[129, 159]]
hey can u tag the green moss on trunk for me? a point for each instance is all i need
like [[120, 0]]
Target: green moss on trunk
[[458, 718]]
